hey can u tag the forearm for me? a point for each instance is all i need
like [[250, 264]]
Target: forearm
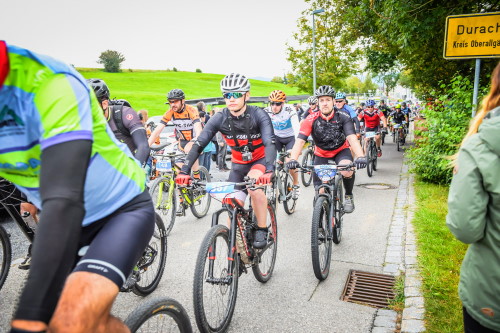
[[297, 148], [141, 143], [354, 143], [155, 134]]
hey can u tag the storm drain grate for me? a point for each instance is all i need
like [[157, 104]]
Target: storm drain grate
[[377, 186], [372, 289]]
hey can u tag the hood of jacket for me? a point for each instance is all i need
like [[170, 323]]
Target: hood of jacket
[[489, 131]]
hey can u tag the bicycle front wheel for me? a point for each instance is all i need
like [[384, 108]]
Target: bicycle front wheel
[[321, 241], [374, 157], [152, 263], [159, 315], [5, 255], [338, 214], [307, 162], [369, 158], [164, 201], [266, 258], [201, 200], [398, 137], [214, 287], [289, 203]]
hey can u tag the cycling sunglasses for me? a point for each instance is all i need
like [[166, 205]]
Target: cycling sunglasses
[[340, 101], [276, 103], [230, 95]]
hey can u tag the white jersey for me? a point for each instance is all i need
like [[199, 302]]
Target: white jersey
[[286, 122]]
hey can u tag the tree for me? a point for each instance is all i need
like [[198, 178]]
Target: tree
[[396, 35], [111, 60], [277, 79], [353, 85], [198, 70], [390, 81], [333, 63]]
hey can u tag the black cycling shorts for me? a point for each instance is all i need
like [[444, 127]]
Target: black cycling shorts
[[372, 129], [344, 154], [287, 142], [115, 243]]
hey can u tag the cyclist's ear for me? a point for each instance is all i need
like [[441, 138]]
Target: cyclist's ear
[[247, 96]]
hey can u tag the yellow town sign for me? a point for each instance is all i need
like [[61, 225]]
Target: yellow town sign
[[472, 36]]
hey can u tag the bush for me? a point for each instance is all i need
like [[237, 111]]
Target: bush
[[447, 122], [174, 69], [111, 60], [198, 70]]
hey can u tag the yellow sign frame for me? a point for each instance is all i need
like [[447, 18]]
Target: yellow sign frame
[[469, 36]]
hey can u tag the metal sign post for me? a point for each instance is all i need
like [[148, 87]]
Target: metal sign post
[[472, 36]]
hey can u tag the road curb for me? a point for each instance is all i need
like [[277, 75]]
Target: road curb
[[401, 258]]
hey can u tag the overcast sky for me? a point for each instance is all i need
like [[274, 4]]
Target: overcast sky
[[217, 36]]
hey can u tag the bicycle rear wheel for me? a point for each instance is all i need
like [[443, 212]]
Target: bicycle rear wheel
[[338, 214], [5, 255], [164, 201], [152, 263], [266, 258], [321, 242], [289, 203], [201, 200], [159, 315], [307, 162], [398, 140], [369, 158], [214, 287]]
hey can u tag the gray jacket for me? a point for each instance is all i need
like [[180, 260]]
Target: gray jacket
[[474, 218]]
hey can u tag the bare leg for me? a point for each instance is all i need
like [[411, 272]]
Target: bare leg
[[259, 200], [85, 305]]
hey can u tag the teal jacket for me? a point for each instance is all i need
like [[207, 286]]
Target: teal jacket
[[474, 218]]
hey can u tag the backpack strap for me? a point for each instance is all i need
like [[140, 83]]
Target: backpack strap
[[116, 110]]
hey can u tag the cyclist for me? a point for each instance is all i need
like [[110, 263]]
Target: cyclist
[[398, 117], [313, 106], [372, 118], [128, 128], [58, 150], [341, 103], [187, 125], [333, 132], [286, 126], [248, 130], [384, 108]]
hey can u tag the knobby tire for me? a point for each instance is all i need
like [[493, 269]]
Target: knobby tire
[[200, 210], [167, 207], [5, 255], [263, 269], [321, 242]]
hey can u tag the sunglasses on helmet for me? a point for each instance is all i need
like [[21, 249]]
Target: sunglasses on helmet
[[230, 95]]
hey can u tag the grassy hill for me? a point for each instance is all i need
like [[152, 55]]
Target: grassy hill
[[148, 89]]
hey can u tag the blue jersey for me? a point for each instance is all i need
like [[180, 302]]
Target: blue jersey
[[351, 111]]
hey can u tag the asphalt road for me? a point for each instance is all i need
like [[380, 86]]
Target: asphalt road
[[293, 300]]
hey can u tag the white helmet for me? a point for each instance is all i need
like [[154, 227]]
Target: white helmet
[[234, 82], [312, 100]]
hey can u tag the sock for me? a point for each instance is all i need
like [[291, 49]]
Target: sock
[[348, 184], [196, 174]]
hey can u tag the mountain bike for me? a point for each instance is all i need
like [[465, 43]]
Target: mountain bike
[[163, 190], [284, 184], [327, 217], [159, 315], [307, 162], [371, 153], [145, 276], [226, 253], [399, 135]]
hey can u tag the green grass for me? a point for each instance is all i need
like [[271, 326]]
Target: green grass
[[440, 257], [148, 89], [398, 303]]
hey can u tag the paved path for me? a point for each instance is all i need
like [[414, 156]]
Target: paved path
[[293, 300]]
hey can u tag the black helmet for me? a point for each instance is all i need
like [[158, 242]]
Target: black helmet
[[324, 91], [176, 94], [100, 88]]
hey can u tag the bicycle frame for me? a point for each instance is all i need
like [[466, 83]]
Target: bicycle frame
[[16, 216]]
